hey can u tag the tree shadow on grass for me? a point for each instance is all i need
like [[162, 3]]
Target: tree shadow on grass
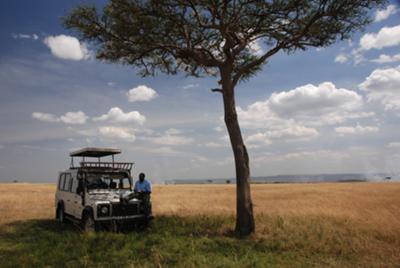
[[169, 241]]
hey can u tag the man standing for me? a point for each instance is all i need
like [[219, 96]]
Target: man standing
[[143, 190], [142, 185]]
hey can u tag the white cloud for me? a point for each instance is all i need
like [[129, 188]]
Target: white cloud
[[393, 145], [121, 133], [171, 137], [309, 99], [341, 58], [383, 85], [357, 130], [172, 140], [386, 37], [45, 117], [215, 145], [291, 132], [225, 162], [25, 36], [383, 58], [383, 14], [308, 105], [168, 151], [257, 139], [173, 131], [141, 93], [67, 47], [117, 115], [313, 155], [257, 115], [73, 118]]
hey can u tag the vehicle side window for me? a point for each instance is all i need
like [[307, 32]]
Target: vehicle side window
[[61, 182], [67, 184]]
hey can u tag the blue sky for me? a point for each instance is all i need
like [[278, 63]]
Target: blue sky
[[330, 110]]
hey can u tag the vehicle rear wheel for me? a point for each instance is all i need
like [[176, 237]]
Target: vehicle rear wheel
[[60, 214], [88, 223]]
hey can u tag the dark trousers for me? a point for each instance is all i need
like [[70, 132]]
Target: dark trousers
[[146, 204]]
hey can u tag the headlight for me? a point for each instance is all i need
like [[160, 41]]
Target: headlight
[[104, 210]]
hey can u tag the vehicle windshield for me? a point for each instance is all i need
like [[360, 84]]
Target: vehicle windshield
[[111, 181]]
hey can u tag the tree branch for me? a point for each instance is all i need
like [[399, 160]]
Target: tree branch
[[284, 44], [217, 90]]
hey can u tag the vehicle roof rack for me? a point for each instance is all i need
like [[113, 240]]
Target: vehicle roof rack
[[107, 165], [95, 152]]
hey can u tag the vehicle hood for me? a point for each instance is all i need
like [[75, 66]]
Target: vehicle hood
[[106, 195]]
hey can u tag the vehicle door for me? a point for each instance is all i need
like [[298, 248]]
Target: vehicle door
[[68, 195], [76, 198], [60, 186]]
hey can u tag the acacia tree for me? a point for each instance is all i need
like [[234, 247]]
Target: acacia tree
[[214, 38]]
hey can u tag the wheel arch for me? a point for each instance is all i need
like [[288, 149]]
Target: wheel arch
[[88, 211]]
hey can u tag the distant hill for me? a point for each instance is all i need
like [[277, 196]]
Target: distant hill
[[302, 178]]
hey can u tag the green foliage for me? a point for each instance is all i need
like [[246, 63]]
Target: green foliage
[[197, 241], [206, 36]]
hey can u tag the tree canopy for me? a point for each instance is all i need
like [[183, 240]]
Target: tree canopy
[[199, 36]]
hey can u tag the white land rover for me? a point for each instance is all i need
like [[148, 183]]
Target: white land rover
[[99, 194]]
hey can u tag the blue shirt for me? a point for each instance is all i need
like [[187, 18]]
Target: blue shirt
[[144, 186]]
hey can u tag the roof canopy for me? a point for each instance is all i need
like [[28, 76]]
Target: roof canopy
[[95, 152]]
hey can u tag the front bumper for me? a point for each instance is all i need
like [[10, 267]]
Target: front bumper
[[122, 218]]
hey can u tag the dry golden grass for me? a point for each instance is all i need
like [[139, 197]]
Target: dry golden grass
[[23, 201], [373, 204], [352, 220]]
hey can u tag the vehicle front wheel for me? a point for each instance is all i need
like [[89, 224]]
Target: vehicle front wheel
[[60, 214], [88, 223]]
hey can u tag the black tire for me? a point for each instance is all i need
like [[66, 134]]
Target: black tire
[[60, 214], [88, 223]]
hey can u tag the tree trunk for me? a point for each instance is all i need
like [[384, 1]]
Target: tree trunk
[[244, 207]]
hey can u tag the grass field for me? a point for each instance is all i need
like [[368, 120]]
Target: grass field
[[298, 225]]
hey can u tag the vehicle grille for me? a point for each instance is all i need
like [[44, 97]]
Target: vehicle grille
[[125, 209]]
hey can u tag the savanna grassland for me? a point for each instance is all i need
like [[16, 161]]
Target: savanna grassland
[[298, 225]]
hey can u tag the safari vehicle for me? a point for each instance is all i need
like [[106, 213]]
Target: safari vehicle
[[99, 194]]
